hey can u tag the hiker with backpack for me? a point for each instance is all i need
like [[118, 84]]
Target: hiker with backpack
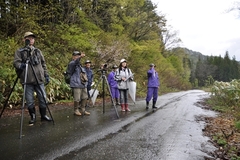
[[123, 76], [77, 84]]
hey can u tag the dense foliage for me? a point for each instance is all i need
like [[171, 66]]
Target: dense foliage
[[215, 68], [106, 31]]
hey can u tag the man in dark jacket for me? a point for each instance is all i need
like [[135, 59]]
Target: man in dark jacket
[[89, 73], [153, 85], [36, 67], [79, 88]]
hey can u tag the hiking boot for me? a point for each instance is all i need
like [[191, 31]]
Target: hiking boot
[[154, 105], [32, 115], [76, 110], [117, 103], [147, 104], [44, 117], [77, 113], [86, 113]]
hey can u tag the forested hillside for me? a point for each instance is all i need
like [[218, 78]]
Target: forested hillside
[[105, 30]]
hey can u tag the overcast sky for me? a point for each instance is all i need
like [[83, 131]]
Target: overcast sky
[[204, 25]]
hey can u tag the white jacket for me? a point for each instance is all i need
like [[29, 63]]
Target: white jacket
[[119, 74]]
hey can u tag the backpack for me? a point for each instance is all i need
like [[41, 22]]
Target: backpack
[[83, 76], [67, 75]]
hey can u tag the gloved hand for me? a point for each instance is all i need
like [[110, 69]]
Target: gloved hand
[[22, 66], [47, 80]]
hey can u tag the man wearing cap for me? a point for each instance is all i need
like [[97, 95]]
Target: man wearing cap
[[153, 85], [113, 84], [78, 87], [89, 76], [36, 67]]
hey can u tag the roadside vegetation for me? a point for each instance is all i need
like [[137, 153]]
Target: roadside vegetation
[[224, 129]]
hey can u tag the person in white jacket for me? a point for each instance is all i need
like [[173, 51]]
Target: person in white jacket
[[123, 76]]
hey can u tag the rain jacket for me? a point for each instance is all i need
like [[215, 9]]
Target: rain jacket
[[111, 81], [119, 74], [153, 79], [89, 76], [75, 69], [35, 58]]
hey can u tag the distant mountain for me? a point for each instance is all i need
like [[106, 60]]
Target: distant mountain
[[194, 55]]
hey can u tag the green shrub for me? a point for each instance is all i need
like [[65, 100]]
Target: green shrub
[[237, 125]]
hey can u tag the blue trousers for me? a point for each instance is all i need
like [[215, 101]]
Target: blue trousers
[[30, 89], [152, 92], [123, 96]]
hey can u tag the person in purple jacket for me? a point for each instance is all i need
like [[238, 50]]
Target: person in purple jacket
[[113, 84], [153, 85]]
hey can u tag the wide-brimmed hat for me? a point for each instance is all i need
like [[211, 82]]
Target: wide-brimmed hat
[[29, 34]]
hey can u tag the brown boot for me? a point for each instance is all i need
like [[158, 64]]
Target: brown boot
[[83, 107], [123, 107], [76, 110], [86, 113], [126, 108]]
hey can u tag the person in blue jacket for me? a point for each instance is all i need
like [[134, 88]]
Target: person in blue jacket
[[153, 86], [113, 84], [90, 77], [79, 88]]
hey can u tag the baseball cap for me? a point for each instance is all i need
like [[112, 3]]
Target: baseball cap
[[114, 66], [152, 65], [76, 53], [87, 61]]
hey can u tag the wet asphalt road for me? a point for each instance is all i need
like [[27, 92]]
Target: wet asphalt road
[[169, 133]]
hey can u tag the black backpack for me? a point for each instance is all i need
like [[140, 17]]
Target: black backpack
[[67, 75]]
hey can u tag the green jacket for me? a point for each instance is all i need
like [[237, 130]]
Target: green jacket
[[36, 64]]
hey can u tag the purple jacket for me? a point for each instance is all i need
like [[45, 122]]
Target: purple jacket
[[112, 83], [153, 79]]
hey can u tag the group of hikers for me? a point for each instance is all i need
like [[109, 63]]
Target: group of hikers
[[35, 77]]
